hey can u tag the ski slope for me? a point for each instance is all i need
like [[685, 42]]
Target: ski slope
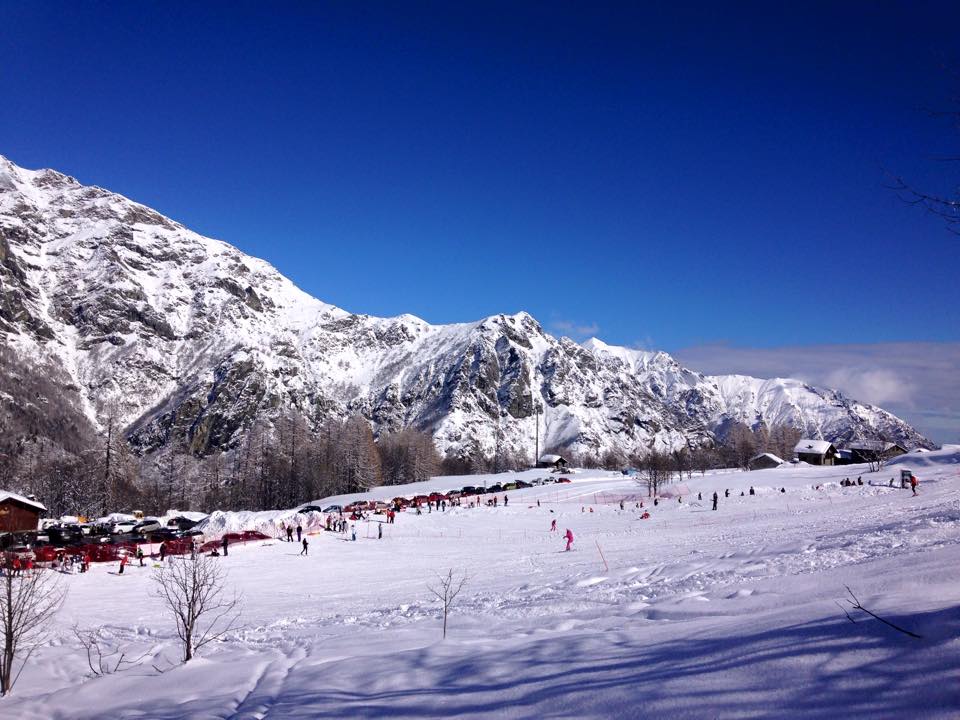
[[689, 614]]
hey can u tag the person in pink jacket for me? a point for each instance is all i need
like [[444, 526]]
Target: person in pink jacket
[[569, 536]]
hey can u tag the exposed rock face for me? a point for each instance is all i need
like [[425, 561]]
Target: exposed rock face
[[190, 340]]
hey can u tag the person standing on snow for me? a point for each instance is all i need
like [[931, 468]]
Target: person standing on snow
[[726, 493], [225, 543], [163, 551], [569, 537], [714, 500], [751, 490], [304, 543], [505, 500], [379, 531], [353, 533], [123, 562], [299, 532], [289, 533], [553, 525], [913, 483]]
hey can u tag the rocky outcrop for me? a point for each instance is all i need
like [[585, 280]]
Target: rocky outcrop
[[190, 341]]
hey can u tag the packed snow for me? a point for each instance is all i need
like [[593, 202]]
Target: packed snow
[[691, 613]]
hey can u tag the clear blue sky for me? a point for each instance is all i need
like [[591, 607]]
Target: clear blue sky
[[668, 177]]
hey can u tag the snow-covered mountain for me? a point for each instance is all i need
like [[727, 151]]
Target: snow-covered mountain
[[183, 337]]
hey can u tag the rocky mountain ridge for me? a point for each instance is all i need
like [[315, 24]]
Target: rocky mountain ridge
[[185, 339]]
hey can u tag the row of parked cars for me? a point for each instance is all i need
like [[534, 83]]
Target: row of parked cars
[[141, 530], [401, 502]]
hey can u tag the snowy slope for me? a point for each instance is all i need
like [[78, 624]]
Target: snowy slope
[[186, 339], [688, 614]]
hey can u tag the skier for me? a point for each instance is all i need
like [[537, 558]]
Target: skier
[[699, 496], [289, 533], [140, 555], [299, 532], [538, 503], [751, 490], [714, 500], [225, 543], [569, 538], [621, 504], [553, 525], [163, 551], [505, 500], [353, 533], [123, 562], [379, 531], [913, 483], [726, 493], [304, 543], [656, 501]]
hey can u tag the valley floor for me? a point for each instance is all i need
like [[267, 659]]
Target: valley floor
[[689, 614]]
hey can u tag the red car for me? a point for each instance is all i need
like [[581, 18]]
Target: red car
[[436, 497], [563, 480]]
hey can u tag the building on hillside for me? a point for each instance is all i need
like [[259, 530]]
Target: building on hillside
[[815, 452], [554, 462], [844, 457], [864, 451], [764, 461], [19, 513]]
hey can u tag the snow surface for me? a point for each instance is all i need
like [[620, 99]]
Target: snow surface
[[689, 614]]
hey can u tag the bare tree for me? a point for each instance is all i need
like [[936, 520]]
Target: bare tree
[[192, 587], [101, 660], [27, 605], [656, 470], [446, 591]]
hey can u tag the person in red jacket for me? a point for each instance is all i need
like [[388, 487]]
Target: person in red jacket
[[123, 562], [913, 483], [569, 536]]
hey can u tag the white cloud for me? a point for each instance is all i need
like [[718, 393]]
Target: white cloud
[[574, 330]]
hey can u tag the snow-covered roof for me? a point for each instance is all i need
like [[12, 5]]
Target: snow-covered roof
[[812, 447], [871, 445], [7, 495], [550, 459], [771, 456]]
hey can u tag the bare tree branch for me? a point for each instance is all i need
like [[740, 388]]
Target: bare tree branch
[[855, 603]]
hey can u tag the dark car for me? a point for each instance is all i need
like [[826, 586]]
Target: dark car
[[65, 535], [495, 488], [468, 490], [311, 508], [521, 484], [163, 535]]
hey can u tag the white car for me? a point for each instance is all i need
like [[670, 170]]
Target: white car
[[123, 526]]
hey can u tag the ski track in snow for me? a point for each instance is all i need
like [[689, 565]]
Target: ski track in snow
[[696, 614]]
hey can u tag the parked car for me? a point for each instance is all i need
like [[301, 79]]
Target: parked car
[[417, 499], [548, 480], [163, 534], [495, 488], [400, 502], [147, 526], [468, 490], [436, 497], [521, 484], [64, 534], [311, 508], [333, 509], [123, 526], [510, 486], [563, 480]]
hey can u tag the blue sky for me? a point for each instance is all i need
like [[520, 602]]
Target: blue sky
[[677, 178]]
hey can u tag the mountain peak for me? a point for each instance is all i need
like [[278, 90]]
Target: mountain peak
[[187, 340]]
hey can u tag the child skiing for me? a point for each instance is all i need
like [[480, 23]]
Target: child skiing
[[569, 537], [304, 543]]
